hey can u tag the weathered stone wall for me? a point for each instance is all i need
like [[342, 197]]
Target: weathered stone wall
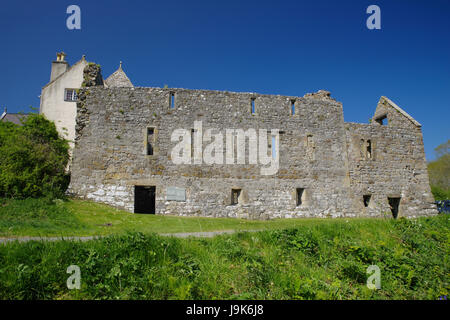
[[110, 155], [396, 166]]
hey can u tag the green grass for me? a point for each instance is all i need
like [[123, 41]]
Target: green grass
[[321, 259], [40, 217], [289, 259]]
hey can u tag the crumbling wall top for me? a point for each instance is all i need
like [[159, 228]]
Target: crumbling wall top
[[321, 95], [92, 75]]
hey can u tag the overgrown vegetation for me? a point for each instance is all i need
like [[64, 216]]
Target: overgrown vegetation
[[439, 193], [439, 172], [33, 159], [327, 260]]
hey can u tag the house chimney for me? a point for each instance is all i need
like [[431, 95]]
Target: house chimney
[[59, 66]]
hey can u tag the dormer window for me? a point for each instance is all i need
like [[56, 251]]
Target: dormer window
[[70, 95]]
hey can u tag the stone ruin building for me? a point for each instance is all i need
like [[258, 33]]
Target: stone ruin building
[[122, 154]]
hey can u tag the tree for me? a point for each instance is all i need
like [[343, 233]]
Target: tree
[[443, 149], [439, 172], [33, 159]]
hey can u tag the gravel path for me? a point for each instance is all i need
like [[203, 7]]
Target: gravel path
[[26, 239], [208, 234]]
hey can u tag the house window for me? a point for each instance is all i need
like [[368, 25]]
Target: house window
[[235, 195], [253, 108], [70, 95], [150, 140]]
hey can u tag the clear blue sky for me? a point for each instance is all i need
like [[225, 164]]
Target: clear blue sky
[[272, 47]]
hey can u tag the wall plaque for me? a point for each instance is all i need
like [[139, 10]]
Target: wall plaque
[[176, 194]]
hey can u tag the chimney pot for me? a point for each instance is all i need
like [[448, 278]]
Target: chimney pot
[[59, 66], [60, 56]]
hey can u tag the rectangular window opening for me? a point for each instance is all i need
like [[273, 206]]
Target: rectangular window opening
[[172, 100], [150, 140], [299, 195], [362, 149], [383, 120], [235, 196], [366, 200], [293, 107], [369, 149], [394, 204], [253, 109], [309, 140]]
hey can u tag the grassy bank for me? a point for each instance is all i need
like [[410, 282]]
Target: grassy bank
[[324, 260], [40, 217]]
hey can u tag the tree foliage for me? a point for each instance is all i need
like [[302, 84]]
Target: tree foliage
[[439, 172], [33, 159]]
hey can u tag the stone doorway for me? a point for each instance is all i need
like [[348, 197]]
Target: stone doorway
[[144, 199]]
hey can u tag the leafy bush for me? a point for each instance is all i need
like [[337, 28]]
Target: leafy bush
[[440, 194], [439, 172], [33, 159]]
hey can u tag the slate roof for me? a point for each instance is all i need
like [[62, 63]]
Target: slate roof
[[13, 117], [118, 79]]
